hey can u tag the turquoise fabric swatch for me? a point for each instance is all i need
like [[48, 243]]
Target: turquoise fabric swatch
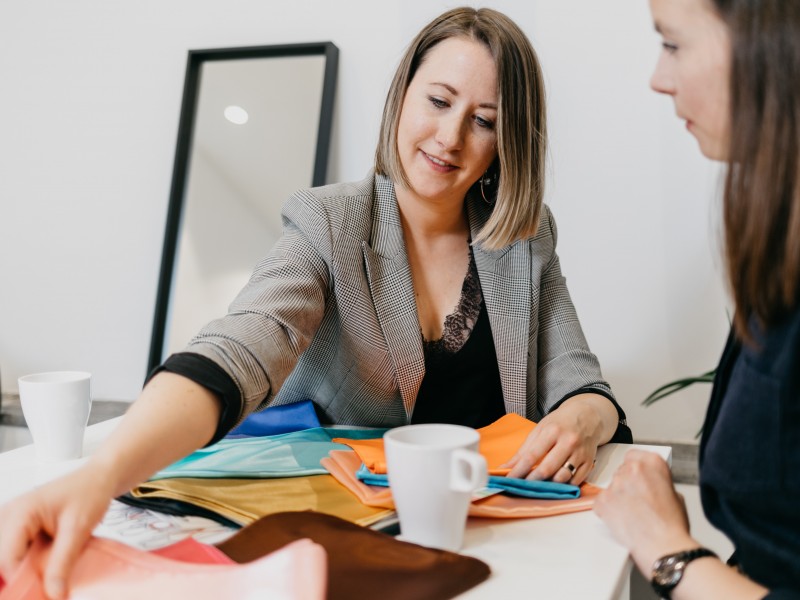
[[548, 490], [285, 455], [542, 490]]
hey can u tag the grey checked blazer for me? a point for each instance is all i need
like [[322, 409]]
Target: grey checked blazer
[[330, 314]]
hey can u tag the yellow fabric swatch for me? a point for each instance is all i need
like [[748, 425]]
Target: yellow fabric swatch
[[246, 500]]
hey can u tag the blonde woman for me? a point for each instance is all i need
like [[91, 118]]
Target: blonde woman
[[430, 291]]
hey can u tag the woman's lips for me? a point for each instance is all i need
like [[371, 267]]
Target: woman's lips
[[437, 163]]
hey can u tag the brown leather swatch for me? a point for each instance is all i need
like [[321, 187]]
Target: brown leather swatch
[[362, 563]]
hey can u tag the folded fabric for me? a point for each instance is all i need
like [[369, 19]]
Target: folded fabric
[[148, 529], [498, 444], [175, 508], [344, 465], [108, 569], [192, 551], [278, 419], [246, 500], [363, 563], [545, 490], [285, 455], [510, 485]]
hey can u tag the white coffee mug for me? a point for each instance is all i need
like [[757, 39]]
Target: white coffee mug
[[56, 408], [433, 470]]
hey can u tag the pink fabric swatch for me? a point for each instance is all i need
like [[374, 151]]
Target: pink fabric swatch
[[192, 551], [108, 569]]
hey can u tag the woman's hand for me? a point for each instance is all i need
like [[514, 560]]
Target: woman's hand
[[646, 514], [644, 511], [563, 445], [65, 510], [173, 415]]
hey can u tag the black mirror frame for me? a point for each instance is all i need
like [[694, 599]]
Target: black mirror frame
[[183, 148]]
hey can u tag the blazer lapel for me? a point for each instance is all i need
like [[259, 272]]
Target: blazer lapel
[[505, 277], [392, 289]]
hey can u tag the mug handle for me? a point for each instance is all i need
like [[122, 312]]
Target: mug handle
[[468, 471]]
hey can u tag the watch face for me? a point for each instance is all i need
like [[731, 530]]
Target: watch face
[[668, 572]]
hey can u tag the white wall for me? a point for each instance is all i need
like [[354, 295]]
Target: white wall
[[89, 102]]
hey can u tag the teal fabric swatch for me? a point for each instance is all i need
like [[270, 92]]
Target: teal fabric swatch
[[284, 455]]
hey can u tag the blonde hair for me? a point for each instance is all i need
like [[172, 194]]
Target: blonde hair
[[518, 170]]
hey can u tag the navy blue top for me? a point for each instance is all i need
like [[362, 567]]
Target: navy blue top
[[750, 455]]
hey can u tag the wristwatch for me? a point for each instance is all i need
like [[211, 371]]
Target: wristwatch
[[668, 570]]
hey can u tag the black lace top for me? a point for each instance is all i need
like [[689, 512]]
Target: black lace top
[[459, 324], [462, 381]]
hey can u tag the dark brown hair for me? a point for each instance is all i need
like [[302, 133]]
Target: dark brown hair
[[521, 123], [761, 202]]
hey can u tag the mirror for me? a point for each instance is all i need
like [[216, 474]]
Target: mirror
[[254, 127]]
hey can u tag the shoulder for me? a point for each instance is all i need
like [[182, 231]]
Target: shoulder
[[777, 350], [547, 224], [543, 242], [335, 196], [546, 233], [334, 206], [336, 192]]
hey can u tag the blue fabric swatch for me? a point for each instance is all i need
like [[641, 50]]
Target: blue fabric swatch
[[278, 419], [543, 490]]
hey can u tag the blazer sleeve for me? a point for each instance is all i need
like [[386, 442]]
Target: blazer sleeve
[[275, 316], [566, 367]]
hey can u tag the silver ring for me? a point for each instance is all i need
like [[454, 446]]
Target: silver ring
[[570, 467]]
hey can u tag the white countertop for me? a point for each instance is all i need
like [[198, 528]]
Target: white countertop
[[562, 557]]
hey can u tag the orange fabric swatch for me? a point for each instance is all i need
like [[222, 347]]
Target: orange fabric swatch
[[343, 465], [498, 444]]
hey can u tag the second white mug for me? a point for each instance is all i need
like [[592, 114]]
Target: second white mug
[[56, 408], [433, 470]]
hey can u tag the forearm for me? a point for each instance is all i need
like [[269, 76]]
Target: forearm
[[648, 516], [597, 413], [706, 577], [711, 578], [172, 417]]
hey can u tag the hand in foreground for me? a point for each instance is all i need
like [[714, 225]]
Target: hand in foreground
[[563, 445], [644, 511], [66, 510]]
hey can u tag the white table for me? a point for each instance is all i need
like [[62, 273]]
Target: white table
[[564, 557]]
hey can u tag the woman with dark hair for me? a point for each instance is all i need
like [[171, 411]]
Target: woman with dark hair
[[732, 68], [430, 291]]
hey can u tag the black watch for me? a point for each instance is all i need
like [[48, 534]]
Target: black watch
[[668, 570]]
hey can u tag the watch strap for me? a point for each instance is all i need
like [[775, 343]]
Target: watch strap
[[668, 570]]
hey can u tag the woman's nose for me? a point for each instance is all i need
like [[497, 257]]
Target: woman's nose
[[450, 134], [662, 80]]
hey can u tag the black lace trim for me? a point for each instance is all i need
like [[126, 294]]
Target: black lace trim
[[459, 324]]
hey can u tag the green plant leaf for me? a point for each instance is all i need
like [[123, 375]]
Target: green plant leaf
[[675, 386]]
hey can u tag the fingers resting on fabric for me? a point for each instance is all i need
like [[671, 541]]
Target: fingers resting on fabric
[[65, 510], [562, 447]]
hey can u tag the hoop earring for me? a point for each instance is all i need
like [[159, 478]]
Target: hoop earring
[[488, 179]]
